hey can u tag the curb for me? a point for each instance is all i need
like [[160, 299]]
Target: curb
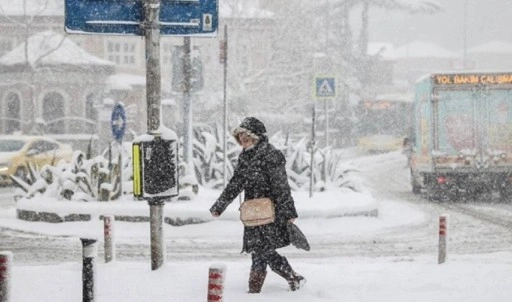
[[29, 215]]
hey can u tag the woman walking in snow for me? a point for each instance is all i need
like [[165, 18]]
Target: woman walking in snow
[[261, 173]]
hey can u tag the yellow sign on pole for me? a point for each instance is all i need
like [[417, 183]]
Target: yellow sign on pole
[[136, 162]]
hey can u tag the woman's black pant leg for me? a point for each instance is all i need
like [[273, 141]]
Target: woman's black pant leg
[[259, 262], [258, 272], [278, 263]]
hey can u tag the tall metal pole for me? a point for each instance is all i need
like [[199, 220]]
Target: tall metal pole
[[156, 226], [311, 177], [187, 105], [326, 100], [153, 74], [153, 100], [224, 57]]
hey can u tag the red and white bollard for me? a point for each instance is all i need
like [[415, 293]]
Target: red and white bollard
[[443, 234], [5, 276], [108, 232], [216, 283]]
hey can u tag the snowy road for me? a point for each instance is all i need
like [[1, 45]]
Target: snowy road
[[474, 227]]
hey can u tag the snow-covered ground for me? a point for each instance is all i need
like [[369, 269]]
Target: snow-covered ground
[[348, 260]]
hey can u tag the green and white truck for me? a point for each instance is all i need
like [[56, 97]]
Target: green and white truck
[[462, 140]]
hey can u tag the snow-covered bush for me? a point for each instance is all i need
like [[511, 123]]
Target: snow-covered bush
[[80, 179], [208, 156], [328, 168]]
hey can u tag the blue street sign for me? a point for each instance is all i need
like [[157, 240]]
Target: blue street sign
[[325, 87], [177, 17], [118, 122]]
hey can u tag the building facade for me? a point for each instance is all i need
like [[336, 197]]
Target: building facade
[[43, 97]]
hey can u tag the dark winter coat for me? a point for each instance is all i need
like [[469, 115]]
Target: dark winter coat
[[261, 172]]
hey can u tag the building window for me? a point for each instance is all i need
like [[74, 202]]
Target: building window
[[13, 113], [53, 111], [122, 53]]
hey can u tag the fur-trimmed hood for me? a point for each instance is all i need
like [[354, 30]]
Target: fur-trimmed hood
[[252, 127]]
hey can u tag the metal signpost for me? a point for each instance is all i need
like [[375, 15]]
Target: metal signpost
[[325, 88], [223, 58], [149, 18]]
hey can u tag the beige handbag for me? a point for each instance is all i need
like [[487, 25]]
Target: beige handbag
[[256, 212]]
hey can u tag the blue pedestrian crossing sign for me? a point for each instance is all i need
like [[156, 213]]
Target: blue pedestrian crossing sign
[[325, 87]]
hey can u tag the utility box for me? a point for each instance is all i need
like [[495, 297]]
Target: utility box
[[155, 169]]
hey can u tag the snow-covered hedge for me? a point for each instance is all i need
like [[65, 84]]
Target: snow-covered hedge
[[99, 178], [82, 179]]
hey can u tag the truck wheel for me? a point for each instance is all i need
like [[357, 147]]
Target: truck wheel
[[433, 192], [416, 187]]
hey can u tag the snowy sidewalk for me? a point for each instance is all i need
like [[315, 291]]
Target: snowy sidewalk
[[472, 278]]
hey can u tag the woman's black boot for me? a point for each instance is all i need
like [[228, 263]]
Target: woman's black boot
[[256, 279], [295, 281]]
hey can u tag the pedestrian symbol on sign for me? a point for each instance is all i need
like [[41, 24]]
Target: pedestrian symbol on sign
[[325, 87]]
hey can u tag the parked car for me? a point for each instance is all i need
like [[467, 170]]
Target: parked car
[[17, 152], [380, 143]]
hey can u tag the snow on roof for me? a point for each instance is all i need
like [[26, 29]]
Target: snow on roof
[[492, 47], [52, 49], [423, 49], [32, 7]]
